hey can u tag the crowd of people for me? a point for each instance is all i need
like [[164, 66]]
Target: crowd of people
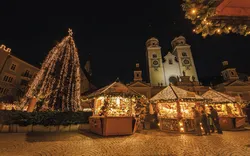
[[207, 121]]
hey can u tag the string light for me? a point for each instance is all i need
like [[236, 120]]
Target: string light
[[181, 124], [57, 83]]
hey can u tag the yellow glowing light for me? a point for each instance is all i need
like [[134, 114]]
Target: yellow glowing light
[[182, 129], [218, 30], [229, 28], [194, 11], [206, 105], [181, 124], [159, 124], [118, 101], [194, 30]]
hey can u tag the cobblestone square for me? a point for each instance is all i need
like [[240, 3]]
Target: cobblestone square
[[150, 142]]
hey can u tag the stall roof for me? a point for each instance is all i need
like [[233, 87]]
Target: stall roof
[[173, 93], [218, 97], [115, 88], [234, 8]]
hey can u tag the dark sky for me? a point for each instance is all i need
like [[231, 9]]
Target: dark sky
[[114, 33]]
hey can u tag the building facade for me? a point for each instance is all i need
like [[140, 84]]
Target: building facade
[[177, 62], [141, 86], [155, 63], [178, 68], [232, 84], [149, 91], [15, 74]]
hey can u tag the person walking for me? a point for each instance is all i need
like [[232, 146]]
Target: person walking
[[204, 121], [215, 118], [197, 120], [211, 123]]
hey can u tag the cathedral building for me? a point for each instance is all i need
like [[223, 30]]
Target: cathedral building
[[177, 67], [177, 63]]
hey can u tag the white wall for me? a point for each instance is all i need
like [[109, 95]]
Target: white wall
[[171, 69]]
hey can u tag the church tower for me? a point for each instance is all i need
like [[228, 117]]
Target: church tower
[[229, 74], [137, 73], [154, 63], [184, 57]]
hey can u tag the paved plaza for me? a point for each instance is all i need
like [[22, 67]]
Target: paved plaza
[[152, 142]]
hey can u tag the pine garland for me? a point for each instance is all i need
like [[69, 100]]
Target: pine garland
[[202, 13]]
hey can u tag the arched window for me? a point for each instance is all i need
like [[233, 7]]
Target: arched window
[[170, 61], [184, 54], [154, 56]]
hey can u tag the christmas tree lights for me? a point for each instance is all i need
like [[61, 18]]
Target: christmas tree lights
[[57, 85]]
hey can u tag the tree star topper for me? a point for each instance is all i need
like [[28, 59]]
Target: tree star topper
[[70, 32]]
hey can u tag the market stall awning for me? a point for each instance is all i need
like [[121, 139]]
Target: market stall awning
[[116, 88], [218, 97], [233, 8], [173, 93], [218, 16]]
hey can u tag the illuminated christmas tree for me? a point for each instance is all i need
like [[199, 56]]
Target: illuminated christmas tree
[[57, 85]]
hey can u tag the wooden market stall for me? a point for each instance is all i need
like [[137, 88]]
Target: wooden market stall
[[116, 110], [174, 106], [229, 110]]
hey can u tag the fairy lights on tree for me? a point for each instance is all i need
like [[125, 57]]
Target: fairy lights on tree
[[57, 84]]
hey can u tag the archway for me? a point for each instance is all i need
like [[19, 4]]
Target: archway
[[173, 80]]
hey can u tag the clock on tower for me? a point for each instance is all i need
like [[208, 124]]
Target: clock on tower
[[154, 63]]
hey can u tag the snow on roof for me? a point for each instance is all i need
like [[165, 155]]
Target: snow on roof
[[114, 88], [218, 97], [173, 93]]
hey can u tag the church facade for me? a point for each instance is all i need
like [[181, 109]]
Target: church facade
[[168, 69], [177, 67]]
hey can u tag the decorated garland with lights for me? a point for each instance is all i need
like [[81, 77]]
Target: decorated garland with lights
[[202, 13]]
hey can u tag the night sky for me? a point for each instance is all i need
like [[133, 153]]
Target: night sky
[[114, 34]]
